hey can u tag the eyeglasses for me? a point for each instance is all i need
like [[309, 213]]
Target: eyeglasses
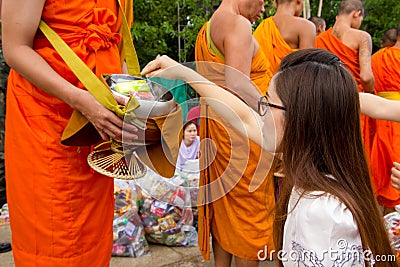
[[263, 105]]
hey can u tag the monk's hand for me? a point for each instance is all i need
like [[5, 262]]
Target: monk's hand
[[162, 66], [122, 100], [105, 121], [396, 175]]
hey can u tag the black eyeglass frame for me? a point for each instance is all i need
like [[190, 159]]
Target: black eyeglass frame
[[266, 104]]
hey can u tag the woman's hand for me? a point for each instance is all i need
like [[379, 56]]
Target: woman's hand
[[105, 121], [159, 66], [396, 175]]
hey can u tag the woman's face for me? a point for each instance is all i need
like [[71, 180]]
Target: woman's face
[[190, 133], [273, 120]]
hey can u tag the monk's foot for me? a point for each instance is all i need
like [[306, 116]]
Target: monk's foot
[[5, 247]]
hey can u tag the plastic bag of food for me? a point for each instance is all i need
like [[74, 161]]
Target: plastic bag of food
[[392, 222], [128, 231], [4, 217], [165, 210]]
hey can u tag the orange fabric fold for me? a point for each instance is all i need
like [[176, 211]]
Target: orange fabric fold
[[272, 43], [61, 213], [350, 59], [347, 55], [386, 143], [236, 195]]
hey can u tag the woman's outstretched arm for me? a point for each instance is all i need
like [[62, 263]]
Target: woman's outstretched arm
[[239, 115], [379, 108]]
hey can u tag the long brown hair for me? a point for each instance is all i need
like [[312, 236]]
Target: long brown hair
[[322, 136]]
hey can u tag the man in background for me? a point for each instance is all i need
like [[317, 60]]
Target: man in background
[[228, 54], [285, 32], [320, 24], [386, 143], [389, 37], [354, 47]]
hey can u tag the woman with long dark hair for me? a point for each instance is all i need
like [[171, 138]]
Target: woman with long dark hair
[[326, 214], [327, 201]]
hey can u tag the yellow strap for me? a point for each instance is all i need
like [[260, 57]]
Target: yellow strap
[[211, 44], [391, 95], [92, 83], [131, 58]]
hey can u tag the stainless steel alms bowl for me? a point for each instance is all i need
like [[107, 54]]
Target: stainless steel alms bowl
[[162, 105]]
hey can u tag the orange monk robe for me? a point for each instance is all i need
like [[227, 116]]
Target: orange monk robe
[[272, 43], [240, 220], [386, 145], [61, 213], [350, 59]]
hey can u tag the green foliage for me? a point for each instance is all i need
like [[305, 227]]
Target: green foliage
[[155, 29], [194, 14], [329, 10], [381, 15], [152, 29]]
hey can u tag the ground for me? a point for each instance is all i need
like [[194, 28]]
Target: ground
[[160, 256]]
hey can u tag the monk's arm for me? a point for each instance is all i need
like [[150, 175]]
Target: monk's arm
[[239, 48], [306, 34], [365, 50], [379, 108], [20, 20], [239, 115]]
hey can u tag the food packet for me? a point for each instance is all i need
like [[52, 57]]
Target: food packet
[[128, 232]]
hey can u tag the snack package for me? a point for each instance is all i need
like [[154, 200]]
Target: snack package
[[4, 217], [392, 222], [165, 210], [126, 86], [128, 231], [142, 95]]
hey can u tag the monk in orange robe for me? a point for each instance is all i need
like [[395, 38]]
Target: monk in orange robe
[[236, 195], [386, 143], [61, 212], [285, 32], [353, 47]]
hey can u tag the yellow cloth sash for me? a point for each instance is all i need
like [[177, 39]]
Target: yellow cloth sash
[[211, 44], [391, 95]]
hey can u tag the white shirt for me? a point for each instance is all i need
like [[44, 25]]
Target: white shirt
[[187, 153], [320, 231]]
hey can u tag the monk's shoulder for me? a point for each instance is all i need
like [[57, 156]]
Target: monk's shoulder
[[360, 35], [227, 27], [298, 26], [228, 22]]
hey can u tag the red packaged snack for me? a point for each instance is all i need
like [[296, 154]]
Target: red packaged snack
[[143, 95]]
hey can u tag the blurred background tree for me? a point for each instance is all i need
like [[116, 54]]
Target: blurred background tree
[[168, 27], [171, 27]]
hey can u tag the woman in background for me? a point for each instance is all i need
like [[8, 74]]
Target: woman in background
[[190, 145]]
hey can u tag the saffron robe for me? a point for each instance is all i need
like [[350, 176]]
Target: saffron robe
[[273, 45], [61, 212], [386, 143], [350, 58], [236, 194]]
